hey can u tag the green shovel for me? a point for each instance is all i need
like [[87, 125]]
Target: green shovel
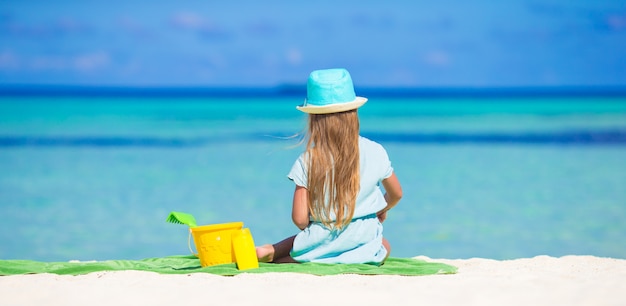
[[182, 218]]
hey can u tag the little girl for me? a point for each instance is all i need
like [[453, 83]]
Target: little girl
[[337, 203]]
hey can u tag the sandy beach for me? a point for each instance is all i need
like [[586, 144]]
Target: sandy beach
[[542, 280]]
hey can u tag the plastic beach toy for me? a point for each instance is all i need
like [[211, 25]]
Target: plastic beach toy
[[214, 243], [245, 252], [219, 243], [182, 218]]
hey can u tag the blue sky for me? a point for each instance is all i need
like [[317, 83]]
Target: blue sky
[[443, 43]]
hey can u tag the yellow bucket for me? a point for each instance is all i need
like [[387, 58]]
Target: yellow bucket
[[214, 243]]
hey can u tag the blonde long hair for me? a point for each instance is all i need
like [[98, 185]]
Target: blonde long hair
[[333, 167]]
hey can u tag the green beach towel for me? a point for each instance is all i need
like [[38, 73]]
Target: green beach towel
[[191, 264]]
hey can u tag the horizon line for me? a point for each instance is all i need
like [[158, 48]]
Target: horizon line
[[285, 90]]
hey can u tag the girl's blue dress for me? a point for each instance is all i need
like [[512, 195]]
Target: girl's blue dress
[[361, 240]]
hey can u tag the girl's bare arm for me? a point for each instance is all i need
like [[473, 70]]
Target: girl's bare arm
[[300, 210], [393, 194]]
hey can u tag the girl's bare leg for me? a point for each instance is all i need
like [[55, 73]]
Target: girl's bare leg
[[265, 253], [278, 253]]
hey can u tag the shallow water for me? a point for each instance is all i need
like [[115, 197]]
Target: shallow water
[[95, 178]]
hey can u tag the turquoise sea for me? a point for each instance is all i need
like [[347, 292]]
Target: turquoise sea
[[94, 178]]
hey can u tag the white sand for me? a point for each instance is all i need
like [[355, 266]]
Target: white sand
[[542, 280]]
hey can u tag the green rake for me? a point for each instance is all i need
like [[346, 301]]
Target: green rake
[[182, 218]]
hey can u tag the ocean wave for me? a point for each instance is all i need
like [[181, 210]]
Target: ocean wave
[[605, 137], [102, 141], [581, 137]]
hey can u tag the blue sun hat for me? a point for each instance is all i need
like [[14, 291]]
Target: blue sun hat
[[330, 91]]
